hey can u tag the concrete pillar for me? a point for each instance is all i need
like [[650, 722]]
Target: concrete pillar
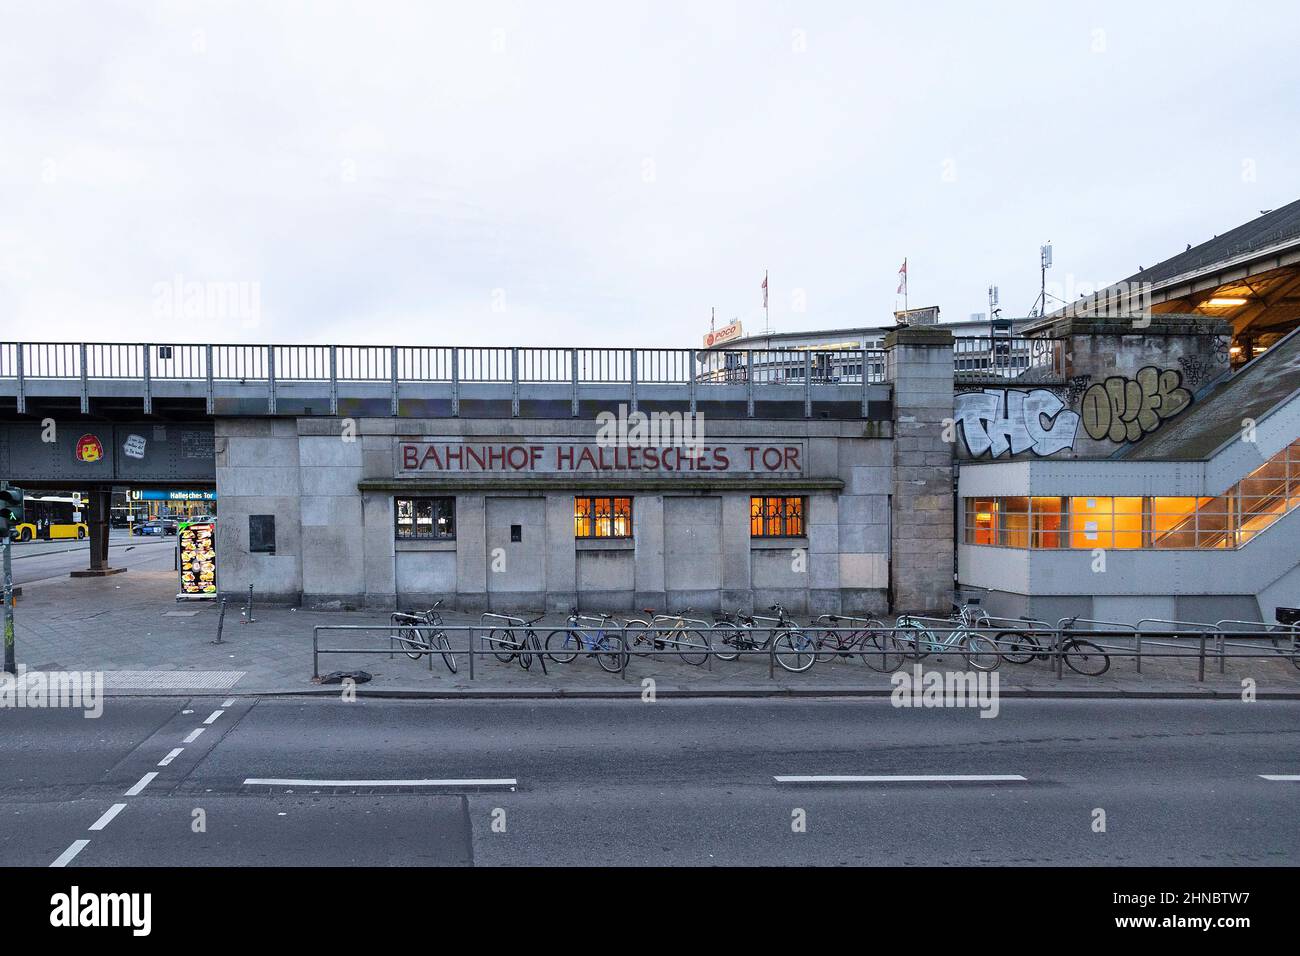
[[920, 367]]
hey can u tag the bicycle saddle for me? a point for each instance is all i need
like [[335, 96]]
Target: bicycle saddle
[[647, 610]]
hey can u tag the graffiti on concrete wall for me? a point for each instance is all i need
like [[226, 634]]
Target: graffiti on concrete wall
[[1123, 409], [1196, 370], [1000, 421]]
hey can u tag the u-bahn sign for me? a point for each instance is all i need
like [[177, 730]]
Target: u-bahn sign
[[77, 451]]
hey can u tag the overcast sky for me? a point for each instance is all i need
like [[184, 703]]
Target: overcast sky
[[606, 172]]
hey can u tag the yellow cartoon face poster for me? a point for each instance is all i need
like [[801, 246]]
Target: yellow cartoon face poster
[[89, 449]]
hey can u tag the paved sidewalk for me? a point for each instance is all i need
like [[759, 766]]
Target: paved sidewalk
[[131, 627]]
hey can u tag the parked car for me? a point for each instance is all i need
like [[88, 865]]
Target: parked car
[[156, 526]]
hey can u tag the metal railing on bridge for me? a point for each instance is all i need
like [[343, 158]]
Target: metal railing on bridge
[[998, 359], [70, 369], [384, 363]]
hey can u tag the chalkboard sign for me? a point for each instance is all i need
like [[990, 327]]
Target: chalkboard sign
[[261, 534]]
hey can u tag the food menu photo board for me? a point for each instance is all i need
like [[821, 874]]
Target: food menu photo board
[[198, 560]]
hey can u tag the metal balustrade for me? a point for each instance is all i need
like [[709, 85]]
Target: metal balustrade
[[995, 359], [100, 361]]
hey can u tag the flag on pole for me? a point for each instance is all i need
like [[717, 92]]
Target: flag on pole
[[902, 278], [765, 290]]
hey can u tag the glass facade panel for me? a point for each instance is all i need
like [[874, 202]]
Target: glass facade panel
[[1229, 520]]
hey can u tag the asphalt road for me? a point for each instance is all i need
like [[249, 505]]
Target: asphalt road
[[672, 782], [38, 561]]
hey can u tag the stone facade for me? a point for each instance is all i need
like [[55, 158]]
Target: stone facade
[[332, 493]]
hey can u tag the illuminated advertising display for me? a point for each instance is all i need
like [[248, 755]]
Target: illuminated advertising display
[[197, 544]]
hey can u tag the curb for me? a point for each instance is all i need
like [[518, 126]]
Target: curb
[[399, 693]]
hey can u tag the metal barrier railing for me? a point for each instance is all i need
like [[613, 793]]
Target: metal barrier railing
[[97, 361], [983, 358], [906, 643]]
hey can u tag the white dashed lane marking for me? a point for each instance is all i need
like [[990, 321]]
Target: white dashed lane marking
[[194, 735], [66, 856], [142, 783], [213, 716], [908, 778], [494, 783], [108, 816], [171, 756]]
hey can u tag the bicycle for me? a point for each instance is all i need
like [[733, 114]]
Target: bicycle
[[516, 641], [1015, 647], [423, 634], [1083, 657], [1022, 647], [918, 640], [690, 643], [562, 646], [1288, 623], [877, 646], [794, 650]]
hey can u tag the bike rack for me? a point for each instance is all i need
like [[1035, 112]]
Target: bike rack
[[1202, 627], [1247, 634], [401, 619], [1119, 626]]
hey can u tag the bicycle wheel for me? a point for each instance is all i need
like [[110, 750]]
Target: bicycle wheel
[[691, 646], [829, 646], [914, 641], [448, 656], [728, 636], [980, 653], [611, 655], [881, 652], [794, 650], [1085, 657], [637, 641], [503, 637], [412, 637], [1016, 647], [563, 646], [535, 642]]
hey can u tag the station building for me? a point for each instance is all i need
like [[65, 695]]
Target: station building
[[1135, 456]]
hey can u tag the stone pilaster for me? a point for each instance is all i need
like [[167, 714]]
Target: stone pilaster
[[920, 367]]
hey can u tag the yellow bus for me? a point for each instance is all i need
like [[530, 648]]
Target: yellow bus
[[51, 517]]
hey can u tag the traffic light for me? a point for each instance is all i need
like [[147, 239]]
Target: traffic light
[[11, 509]]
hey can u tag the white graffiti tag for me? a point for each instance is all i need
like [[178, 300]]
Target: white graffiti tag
[[1004, 420]]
